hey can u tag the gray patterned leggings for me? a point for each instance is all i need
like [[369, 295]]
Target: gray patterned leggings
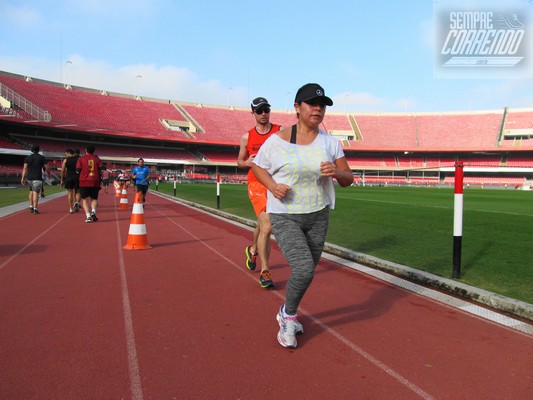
[[301, 238]]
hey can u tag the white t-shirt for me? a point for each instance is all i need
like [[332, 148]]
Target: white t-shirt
[[298, 166]]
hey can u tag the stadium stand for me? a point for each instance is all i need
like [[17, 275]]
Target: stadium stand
[[404, 161], [219, 156], [484, 161], [385, 132], [519, 161], [518, 120], [390, 161], [447, 161], [8, 144], [220, 124], [235, 178], [417, 162], [458, 131], [517, 132], [487, 181], [424, 180], [88, 110], [365, 161], [105, 150], [386, 179], [8, 169], [174, 134]]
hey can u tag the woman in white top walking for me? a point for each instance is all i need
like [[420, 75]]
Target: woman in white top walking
[[297, 165]]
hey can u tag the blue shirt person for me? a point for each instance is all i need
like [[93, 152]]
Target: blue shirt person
[[141, 174]]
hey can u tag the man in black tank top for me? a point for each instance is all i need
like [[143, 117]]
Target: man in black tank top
[[70, 180]]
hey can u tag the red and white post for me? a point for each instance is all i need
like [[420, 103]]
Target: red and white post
[[458, 220], [218, 188]]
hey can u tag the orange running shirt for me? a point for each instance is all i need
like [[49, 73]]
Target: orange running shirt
[[255, 141]]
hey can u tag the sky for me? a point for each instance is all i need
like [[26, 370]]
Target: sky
[[368, 56]]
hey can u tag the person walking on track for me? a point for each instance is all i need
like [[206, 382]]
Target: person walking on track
[[32, 172], [70, 180], [88, 167], [105, 178]]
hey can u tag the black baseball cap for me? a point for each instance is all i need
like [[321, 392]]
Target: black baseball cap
[[258, 102], [312, 92]]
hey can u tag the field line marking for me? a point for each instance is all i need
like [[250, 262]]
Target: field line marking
[[30, 243], [404, 381], [133, 362], [430, 206]]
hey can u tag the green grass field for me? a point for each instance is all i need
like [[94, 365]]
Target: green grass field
[[9, 196], [410, 226], [414, 227]]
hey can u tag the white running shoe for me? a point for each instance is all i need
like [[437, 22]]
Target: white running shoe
[[289, 327], [299, 327]]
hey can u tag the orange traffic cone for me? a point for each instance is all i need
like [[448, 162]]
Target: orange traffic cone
[[118, 192], [137, 239], [123, 205]]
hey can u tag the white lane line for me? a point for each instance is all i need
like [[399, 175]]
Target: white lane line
[[405, 382], [133, 362], [370, 358], [32, 242]]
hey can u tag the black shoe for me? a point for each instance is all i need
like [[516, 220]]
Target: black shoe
[[93, 217]]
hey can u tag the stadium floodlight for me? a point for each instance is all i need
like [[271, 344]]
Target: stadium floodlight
[[406, 102], [135, 86], [66, 81], [227, 98]]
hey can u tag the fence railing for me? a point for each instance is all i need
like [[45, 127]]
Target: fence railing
[[26, 105]]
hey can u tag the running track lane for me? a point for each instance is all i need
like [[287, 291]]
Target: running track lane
[[81, 318]]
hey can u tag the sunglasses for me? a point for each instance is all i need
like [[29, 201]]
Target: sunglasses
[[262, 110]]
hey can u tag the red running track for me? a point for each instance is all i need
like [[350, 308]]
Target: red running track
[[81, 318]]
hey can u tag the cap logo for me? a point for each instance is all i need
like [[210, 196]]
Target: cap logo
[[319, 92]]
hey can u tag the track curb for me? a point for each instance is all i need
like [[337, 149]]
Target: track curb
[[484, 297]]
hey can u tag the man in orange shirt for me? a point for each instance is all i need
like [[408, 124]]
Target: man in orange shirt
[[251, 141]]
